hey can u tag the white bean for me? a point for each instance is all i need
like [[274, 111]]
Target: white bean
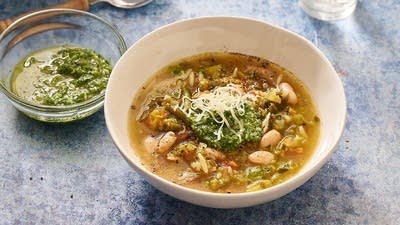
[[166, 142], [262, 157], [150, 143], [288, 92], [272, 137]]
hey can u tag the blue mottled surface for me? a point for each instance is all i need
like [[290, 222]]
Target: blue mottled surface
[[73, 174]]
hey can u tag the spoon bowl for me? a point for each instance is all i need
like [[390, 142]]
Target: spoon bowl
[[125, 4], [79, 5]]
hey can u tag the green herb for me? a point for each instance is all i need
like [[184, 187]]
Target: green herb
[[220, 179], [259, 172], [285, 166], [176, 69], [255, 173]]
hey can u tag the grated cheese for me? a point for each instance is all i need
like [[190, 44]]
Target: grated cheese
[[230, 98]]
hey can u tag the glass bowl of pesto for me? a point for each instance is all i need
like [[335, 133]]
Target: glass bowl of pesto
[[55, 64], [221, 118]]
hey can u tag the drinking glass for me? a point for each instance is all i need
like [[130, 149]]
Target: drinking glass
[[328, 9]]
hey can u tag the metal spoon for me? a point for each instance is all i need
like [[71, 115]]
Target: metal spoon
[[126, 4], [81, 5]]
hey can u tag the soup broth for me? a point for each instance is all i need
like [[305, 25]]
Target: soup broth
[[224, 122]]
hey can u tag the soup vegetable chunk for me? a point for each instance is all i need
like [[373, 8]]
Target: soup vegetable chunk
[[224, 122]]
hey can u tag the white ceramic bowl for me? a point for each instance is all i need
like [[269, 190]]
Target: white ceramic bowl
[[248, 36]]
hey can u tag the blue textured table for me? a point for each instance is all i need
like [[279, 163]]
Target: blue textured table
[[73, 174]]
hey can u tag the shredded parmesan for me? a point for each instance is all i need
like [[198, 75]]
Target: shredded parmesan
[[230, 98]]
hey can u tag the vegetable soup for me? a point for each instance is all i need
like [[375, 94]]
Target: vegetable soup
[[224, 122]]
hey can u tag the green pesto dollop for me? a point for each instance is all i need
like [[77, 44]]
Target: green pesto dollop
[[205, 130], [61, 75]]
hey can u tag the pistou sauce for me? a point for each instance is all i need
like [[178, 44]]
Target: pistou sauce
[[61, 75]]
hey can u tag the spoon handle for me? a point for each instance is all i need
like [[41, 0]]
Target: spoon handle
[[70, 4]]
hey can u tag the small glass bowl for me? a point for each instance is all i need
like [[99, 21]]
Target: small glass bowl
[[56, 27]]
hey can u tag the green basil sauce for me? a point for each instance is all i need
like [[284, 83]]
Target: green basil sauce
[[205, 130], [61, 75]]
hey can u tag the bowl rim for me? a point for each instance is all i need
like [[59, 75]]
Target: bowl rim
[[292, 183], [60, 108]]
